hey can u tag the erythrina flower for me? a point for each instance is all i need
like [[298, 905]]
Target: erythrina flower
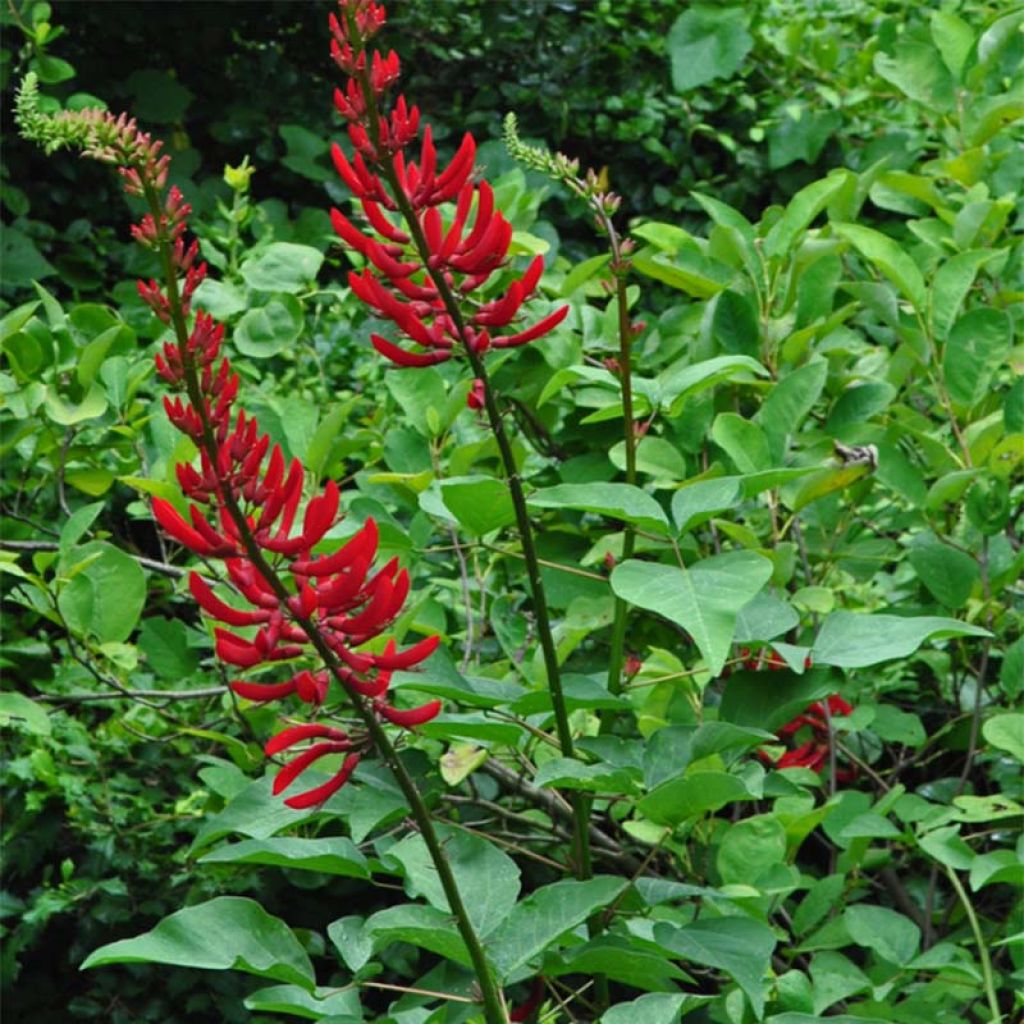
[[422, 272], [813, 752], [247, 503]]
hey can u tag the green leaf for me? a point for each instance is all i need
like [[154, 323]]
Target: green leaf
[[769, 700], [567, 773], [947, 847], [582, 273], [488, 878], [734, 324], [800, 212], [342, 1007], [77, 526], [223, 934], [219, 298], [692, 796], [332, 856], [24, 709], [698, 502], [687, 271], [704, 599], [998, 866], [739, 946], [614, 500], [888, 258], [953, 280], [620, 958], [59, 410], [916, 68], [707, 42], [546, 914], [158, 96], [954, 39], [268, 330], [685, 379], [164, 642], [853, 640], [750, 847], [654, 456], [978, 343], [480, 504], [654, 1008], [1006, 732], [948, 573], [282, 267], [743, 441], [349, 936], [859, 403], [789, 402], [893, 937], [106, 598], [426, 927]]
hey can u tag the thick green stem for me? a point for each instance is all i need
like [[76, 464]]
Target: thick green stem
[[493, 1003], [581, 814]]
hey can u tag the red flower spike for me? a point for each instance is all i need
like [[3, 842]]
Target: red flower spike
[[319, 794], [297, 733], [402, 660], [538, 330], [402, 357], [410, 718], [213, 605], [259, 692]]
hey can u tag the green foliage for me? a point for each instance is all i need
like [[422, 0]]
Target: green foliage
[[826, 212]]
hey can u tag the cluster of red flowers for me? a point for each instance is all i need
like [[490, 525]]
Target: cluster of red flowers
[[813, 752], [245, 500], [423, 270]]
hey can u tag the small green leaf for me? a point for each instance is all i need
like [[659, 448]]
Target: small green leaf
[[707, 42], [322, 1004], [948, 573], [93, 405], [978, 343], [1006, 732], [889, 258], [566, 773], [23, 709], [106, 598], [282, 267], [800, 212], [480, 504], [692, 796], [226, 933], [895, 938], [268, 330], [698, 502]]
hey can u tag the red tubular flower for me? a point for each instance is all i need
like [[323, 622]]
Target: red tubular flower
[[813, 753], [435, 250]]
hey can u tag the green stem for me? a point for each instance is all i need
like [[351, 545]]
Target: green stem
[[494, 1012], [986, 961], [581, 816], [616, 656]]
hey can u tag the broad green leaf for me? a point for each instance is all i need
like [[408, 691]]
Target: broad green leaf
[[707, 42], [620, 958], [332, 856], [978, 343], [954, 39], [859, 403], [895, 938], [698, 502], [823, 482], [77, 526], [764, 618], [947, 847], [349, 937], [704, 599], [655, 457], [340, 1006], [23, 709], [59, 410], [13, 321], [750, 847], [426, 927], [423, 397], [480, 504], [164, 642], [567, 773], [800, 212], [1006, 732], [681, 378], [223, 934], [739, 946], [953, 280], [769, 700], [488, 878], [219, 298], [916, 68], [1004, 866], [948, 573], [692, 796], [547, 913], [653, 1008], [854, 640], [582, 273], [789, 402], [743, 441], [106, 598], [270, 329], [888, 257], [687, 271], [734, 324], [614, 500], [282, 267]]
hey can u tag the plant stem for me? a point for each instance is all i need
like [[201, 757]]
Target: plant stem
[[986, 961], [494, 1012], [581, 843], [616, 656]]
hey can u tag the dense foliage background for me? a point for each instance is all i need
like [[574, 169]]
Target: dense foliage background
[[826, 201]]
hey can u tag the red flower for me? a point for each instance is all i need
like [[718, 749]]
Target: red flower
[[406, 262], [813, 753]]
